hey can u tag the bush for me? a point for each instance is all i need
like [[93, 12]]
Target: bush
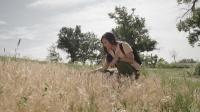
[[187, 61], [197, 70], [149, 60], [180, 65], [173, 65]]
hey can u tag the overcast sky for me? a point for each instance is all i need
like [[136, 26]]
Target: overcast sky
[[38, 22]]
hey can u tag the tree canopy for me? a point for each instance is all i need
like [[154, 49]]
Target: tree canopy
[[53, 55], [131, 28], [191, 24], [80, 46]]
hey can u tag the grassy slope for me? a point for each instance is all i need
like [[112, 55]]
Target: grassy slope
[[31, 86]]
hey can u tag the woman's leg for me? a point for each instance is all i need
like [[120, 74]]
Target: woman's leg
[[137, 74], [136, 65]]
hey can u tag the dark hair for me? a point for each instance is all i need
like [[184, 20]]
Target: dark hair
[[111, 39]]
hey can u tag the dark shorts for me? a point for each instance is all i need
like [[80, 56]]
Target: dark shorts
[[124, 68]]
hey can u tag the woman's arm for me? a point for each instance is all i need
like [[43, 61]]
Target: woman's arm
[[103, 68], [106, 65], [114, 61], [129, 57]]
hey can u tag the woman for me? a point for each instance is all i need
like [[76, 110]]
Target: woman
[[119, 54]]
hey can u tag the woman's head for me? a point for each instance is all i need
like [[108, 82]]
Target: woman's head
[[108, 40]]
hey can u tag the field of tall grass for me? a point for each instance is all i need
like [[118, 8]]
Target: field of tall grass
[[27, 86]]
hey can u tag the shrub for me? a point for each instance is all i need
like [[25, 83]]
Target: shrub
[[197, 70]]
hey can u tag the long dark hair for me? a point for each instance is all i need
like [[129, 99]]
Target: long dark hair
[[110, 37], [112, 40]]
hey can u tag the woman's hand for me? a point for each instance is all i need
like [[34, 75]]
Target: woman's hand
[[98, 69], [114, 61]]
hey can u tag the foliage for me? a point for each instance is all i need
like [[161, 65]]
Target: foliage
[[184, 1], [197, 70], [181, 64], [80, 46], [53, 55], [187, 61], [131, 28], [192, 23], [150, 60], [89, 48], [183, 96], [173, 65]]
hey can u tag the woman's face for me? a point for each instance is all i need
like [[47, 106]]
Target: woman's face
[[106, 44]]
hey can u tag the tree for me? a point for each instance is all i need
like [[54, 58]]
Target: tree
[[53, 55], [89, 48], [131, 28], [187, 61], [80, 46], [192, 23], [69, 41], [150, 60]]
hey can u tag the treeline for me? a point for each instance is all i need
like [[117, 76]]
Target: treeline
[[82, 47], [153, 61]]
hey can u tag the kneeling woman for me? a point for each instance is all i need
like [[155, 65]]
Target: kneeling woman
[[119, 54]]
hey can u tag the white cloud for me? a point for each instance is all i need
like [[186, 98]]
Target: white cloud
[[62, 3], [91, 19], [3, 22], [19, 32], [35, 40], [37, 3], [92, 15]]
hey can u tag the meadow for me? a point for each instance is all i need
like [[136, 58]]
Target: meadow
[[31, 86]]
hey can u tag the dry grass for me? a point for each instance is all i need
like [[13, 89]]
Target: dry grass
[[33, 87]]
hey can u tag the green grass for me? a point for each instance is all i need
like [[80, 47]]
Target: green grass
[[170, 72], [183, 90], [184, 93]]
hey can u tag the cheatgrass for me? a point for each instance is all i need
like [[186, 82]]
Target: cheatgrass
[[31, 86]]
